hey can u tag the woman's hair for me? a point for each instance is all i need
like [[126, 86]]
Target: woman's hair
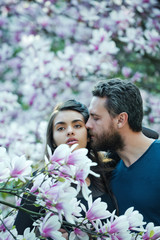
[[73, 105]]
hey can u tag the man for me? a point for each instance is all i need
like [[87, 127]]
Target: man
[[115, 124]]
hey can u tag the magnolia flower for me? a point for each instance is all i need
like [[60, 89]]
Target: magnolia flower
[[78, 234], [12, 235], [49, 227], [97, 209], [117, 224], [4, 172], [105, 231], [58, 197], [77, 156], [18, 199], [3, 155], [59, 157], [123, 235], [6, 223], [20, 168], [80, 176], [60, 154], [64, 154], [72, 165], [135, 219], [76, 209], [152, 232], [4, 163], [126, 71], [27, 235], [37, 181]]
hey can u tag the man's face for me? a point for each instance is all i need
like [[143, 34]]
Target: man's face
[[103, 127]]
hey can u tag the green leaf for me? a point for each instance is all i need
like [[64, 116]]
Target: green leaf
[[61, 179], [151, 234]]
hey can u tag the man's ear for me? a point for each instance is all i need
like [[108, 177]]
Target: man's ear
[[122, 119]]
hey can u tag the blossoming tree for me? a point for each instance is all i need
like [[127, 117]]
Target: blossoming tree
[[52, 50], [53, 190]]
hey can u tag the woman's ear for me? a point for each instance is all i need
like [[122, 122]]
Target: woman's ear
[[122, 119]]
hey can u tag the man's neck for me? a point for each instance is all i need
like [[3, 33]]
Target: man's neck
[[136, 145]]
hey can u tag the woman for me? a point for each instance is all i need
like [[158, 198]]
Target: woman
[[67, 126]]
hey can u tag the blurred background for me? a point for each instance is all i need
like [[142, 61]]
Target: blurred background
[[57, 50]]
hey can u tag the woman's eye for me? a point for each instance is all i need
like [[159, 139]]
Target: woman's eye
[[77, 126], [60, 129]]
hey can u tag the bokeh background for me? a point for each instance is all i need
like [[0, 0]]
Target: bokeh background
[[52, 50]]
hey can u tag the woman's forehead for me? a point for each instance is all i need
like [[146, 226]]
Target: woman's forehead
[[68, 115]]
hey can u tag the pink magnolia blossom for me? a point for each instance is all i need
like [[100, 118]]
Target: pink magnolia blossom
[[37, 181], [152, 232], [3, 155], [64, 154], [117, 224], [6, 222], [77, 156], [4, 163], [97, 210], [80, 176], [73, 165], [20, 168], [78, 234], [58, 196], [135, 219], [76, 209], [60, 154], [8, 235], [116, 233], [4, 172], [49, 227], [126, 71], [27, 235]]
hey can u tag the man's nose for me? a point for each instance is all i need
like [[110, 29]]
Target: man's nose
[[88, 125]]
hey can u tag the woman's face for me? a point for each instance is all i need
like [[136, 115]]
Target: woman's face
[[69, 128]]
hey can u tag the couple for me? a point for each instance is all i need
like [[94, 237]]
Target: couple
[[114, 124]]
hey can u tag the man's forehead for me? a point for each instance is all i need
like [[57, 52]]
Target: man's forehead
[[97, 103]]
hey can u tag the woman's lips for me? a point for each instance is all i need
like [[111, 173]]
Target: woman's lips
[[71, 141]]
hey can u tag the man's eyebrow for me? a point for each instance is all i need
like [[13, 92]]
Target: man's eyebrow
[[94, 115]]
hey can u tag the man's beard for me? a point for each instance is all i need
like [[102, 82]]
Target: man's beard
[[108, 141]]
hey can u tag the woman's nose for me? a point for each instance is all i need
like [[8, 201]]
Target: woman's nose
[[70, 130]]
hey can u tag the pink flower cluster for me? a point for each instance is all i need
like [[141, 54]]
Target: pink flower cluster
[[54, 188]]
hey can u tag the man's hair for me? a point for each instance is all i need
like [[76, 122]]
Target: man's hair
[[122, 96]]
